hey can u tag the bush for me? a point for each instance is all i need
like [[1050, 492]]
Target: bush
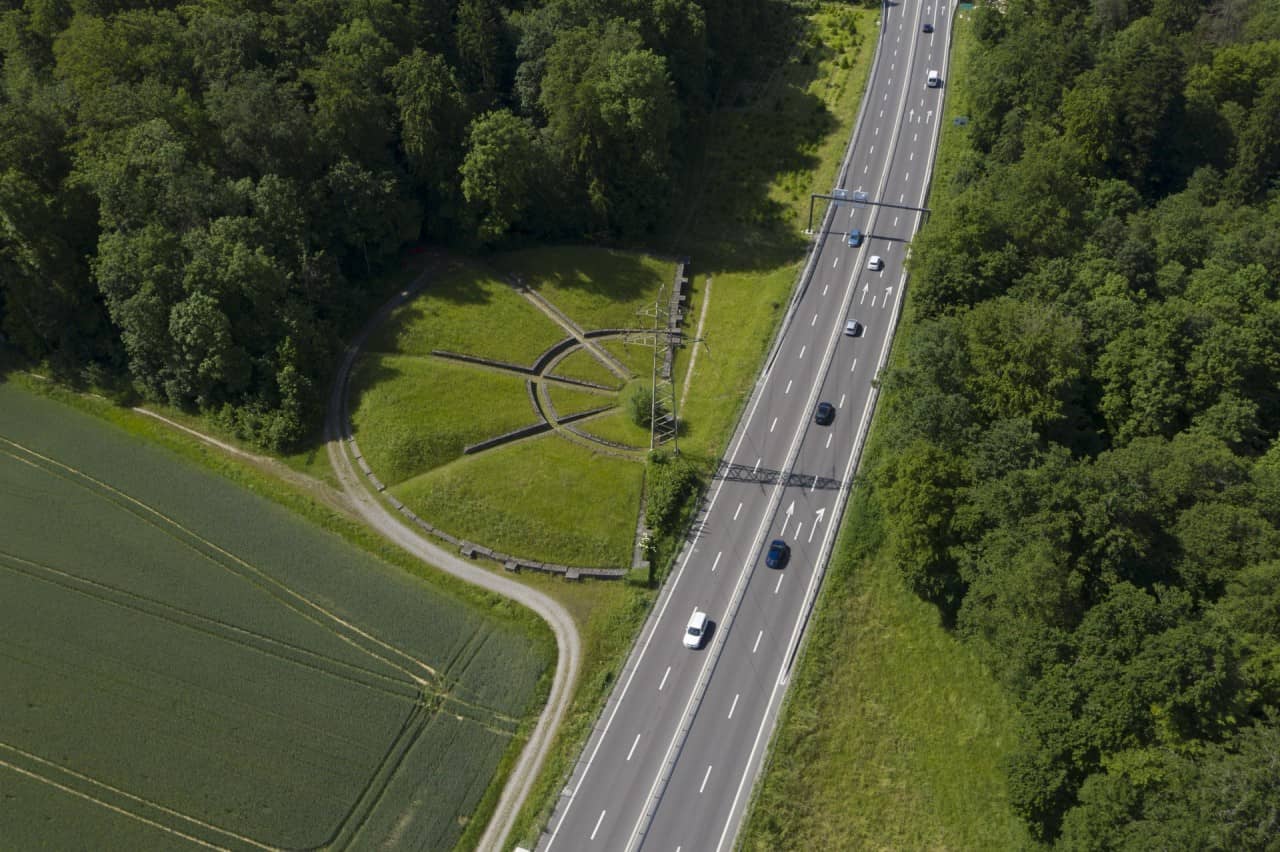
[[670, 482]]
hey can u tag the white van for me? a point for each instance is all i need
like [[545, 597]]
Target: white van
[[934, 80]]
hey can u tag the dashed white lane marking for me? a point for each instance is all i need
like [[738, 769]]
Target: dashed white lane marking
[[756, 646], [827, 447], [813, 321], [873, 149], [902, 198], [664, 678], [787, 389], [882, 113], [908, 177], [834, 262], [717, 562], [915, 137], [800, 526], [802, 348], [704, 780], [597, 828], [824, 289], [877, 133], [891, 66], [773, 425], [854, 366], [864, 169], [734, 705], [911, 156], [895, 221], [739, 509], [779, 586], [841, 405], [873, 301], [757, 467], [633, 748]]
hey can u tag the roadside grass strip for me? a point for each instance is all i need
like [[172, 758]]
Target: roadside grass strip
[[581, 364], [545, 498], [187, 665], [571, 400], [468, 309], [596, 287], [412, 414]]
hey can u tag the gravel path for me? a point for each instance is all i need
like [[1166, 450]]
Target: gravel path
[[380, 517]]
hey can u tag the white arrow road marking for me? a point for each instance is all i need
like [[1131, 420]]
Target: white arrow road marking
[[817, 521], [865, 288]]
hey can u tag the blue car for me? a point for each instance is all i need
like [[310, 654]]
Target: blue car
[[779, 553], [855, 238]]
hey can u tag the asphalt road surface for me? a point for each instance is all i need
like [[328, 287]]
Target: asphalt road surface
[[677, 750]]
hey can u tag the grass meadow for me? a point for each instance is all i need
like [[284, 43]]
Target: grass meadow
[[570, 400], [582, 365], [413, 414], [189, 664], [545, 498]]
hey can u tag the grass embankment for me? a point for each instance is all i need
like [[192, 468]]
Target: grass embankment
[[175, 595], [893, 734], [545, 498]]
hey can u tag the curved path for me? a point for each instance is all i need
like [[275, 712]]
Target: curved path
[[382, 519]]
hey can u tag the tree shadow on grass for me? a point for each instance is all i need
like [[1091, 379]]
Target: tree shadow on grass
[[612, 274], [764, 144]]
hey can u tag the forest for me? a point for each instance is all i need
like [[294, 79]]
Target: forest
[[1083, 462], [196, 196]]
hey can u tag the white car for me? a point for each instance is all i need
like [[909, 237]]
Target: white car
[[934, 80], [875, 263], [852, 328], [696, 633]]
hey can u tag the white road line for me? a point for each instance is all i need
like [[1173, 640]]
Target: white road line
[[864, 171], [779, 586], [664, 678], [802, 349], [877, 133], [597, 828], [882, 113], [756, 646], [788, 387], [704, 780], [915, 137], [854, 365], [813, 321], [835, 261], [800, 526], [908, 177], [841, 405], [717, 562], [873, 149], [633, 748], [827, 447], [895, 221], [757, 467], [911, 156], [773, 424], [824, 289], [873, 301], [737, 512], [902, 198], [734, 705]]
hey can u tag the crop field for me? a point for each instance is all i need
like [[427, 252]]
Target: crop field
[[187, 665]]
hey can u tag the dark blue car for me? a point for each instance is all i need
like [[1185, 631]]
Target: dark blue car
[[779, 553]]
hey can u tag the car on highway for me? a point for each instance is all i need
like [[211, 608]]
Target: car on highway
[[779, 553], [852, 328], [824, 414], [696, 633], [928, 28], [855, 238], [934, 80], [875, 263]]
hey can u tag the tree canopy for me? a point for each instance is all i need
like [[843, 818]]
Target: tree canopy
[[1084, 430]]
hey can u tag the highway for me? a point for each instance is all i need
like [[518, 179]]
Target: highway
[[676, 752]]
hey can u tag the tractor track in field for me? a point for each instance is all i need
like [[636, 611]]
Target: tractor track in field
[[380, 517]]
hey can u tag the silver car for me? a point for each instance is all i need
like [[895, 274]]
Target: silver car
[[852, 328]]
